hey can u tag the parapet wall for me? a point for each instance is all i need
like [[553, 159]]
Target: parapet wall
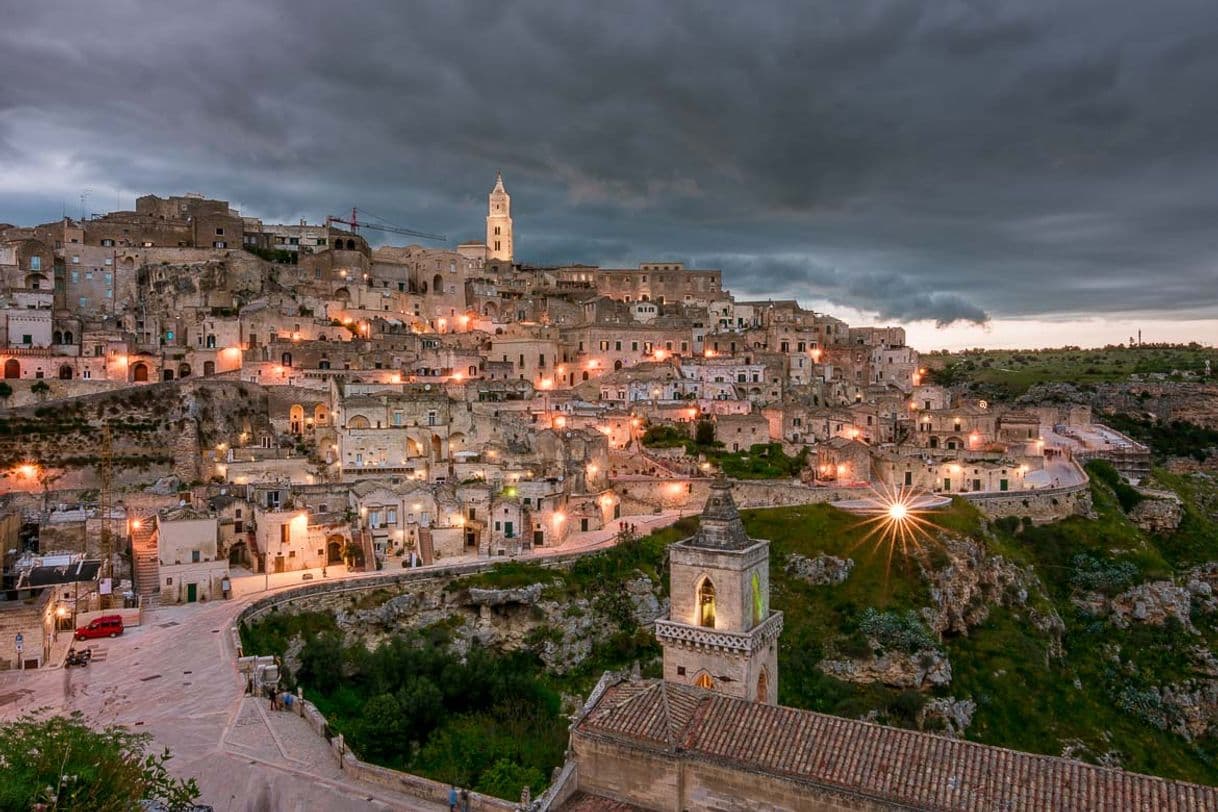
[[1043, 506]]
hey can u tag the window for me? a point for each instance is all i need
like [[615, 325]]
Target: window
[[219, 232], [75, 259], [706, 604], [27, 339], [704, 681], [35, 263], [194, 556]]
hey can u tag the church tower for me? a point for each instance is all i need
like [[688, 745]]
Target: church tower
[[720, 633], [499, 222]]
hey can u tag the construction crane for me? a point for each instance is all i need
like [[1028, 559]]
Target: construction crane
[[356, 225]]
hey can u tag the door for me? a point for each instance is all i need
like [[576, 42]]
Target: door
[[976, 484], [12, 368], [192, 593], [539, 537], [507, 530]]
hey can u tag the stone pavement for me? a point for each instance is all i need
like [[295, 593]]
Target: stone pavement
[[175, 677]]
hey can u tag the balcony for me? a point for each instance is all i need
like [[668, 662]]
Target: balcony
[[701, 637]]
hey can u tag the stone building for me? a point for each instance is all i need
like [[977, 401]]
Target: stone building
[[720, 634]]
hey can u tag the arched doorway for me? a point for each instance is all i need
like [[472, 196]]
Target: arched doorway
[[350, 245], [286, 359], [617, 365], [296, 418], [184, 370], [209, 368], [437, 284], [334, 550], [65, 372], [436, 448], [12, 368], [166, 375]]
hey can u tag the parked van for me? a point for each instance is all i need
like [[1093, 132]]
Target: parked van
[[104, 626]]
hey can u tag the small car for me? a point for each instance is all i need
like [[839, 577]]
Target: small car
[[104, 626]]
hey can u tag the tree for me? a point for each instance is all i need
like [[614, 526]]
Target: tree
[[704, 433], [61, 762], [6, 391], [41, 389]]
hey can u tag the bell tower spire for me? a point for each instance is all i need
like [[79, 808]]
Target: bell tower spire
[[499, 222]]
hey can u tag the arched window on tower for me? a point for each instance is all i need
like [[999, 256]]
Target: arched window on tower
[[706, 603], [763, 686], [704, 680]]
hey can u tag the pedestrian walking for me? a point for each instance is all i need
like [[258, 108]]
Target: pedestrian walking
[[452, 798], [464, 800]]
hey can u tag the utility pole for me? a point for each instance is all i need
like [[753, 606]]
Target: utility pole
[[105, 500]]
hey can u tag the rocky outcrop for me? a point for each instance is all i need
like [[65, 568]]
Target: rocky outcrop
[[921, 670], [524, 595], [1158, 512], [823, 570], [952, 716], [971, 582], [1152, 603], [646, 606]]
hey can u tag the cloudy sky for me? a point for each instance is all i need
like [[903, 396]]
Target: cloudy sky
[[988, 172]]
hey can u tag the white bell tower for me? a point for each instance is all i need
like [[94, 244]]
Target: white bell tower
[[499, 222]]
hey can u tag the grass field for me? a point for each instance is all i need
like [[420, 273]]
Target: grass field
[[1009, 373]]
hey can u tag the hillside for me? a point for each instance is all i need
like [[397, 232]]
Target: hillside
[[1008, 374], [1090, 638]]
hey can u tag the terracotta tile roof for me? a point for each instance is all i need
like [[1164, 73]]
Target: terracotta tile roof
[[913, 769]]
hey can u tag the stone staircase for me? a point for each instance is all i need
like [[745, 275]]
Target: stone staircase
[[147, 575]]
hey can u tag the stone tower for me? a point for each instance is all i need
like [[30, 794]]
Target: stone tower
[[720, 633], [499, 222]]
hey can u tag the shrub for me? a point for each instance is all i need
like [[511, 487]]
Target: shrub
[[902, 631], [1102, 576]]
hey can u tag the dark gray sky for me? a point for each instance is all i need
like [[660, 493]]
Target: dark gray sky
[[942, 160]]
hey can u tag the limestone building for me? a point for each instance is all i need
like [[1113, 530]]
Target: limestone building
[[499, 222], [721, 634]]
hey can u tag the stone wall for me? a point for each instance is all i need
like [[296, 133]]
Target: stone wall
[[644, 495], [1043, 506]]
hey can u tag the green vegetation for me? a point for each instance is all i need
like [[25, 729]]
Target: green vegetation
[[60, 763], [1175, 438], [761, 461], [276, 255], [665, 436], [1005, 374]]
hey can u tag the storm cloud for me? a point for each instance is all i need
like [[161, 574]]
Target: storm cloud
[[950, 161]]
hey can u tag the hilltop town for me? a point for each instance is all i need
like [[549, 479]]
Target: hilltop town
[[203, 410]]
